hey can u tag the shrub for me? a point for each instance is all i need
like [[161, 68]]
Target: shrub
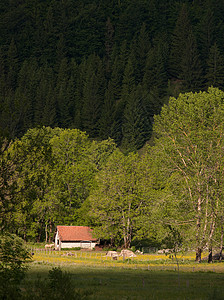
[[13, 258], [59, 285]]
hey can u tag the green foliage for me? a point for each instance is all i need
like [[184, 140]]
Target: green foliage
[[13, 256], [189, 142], [119, 198], [56, 170], [8, 185]]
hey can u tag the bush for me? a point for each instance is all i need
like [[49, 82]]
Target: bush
[[59, 285], [13, 258]]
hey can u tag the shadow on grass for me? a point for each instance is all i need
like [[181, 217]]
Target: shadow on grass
[[118, 283]]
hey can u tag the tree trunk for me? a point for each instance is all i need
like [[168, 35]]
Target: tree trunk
[[210, 255], [198, 255], [50, 232], [46, 234], [198, 247], [124, 232], [221, 240]]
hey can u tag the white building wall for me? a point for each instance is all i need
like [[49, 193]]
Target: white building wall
[[88, 245]]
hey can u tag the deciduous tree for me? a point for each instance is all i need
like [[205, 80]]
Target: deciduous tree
[[190, 141]]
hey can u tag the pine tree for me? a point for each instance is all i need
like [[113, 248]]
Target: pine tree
[[178, 42], [42, 92], [128, 85], [60, 50], [155, 74], [128, 82], [140, 47], [108, 45], [206, 32], [215, 68], [2, 74], [12, 65], [63, 114], [191, 68], [93, 94], [136, 127], [49, 110], [80, 81], [107, 116]]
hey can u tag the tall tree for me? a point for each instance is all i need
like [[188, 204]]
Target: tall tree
[[12, 65], [93, 95], [191, 68], [108, 111], [136, 127], [215, 68], [190, 136], [140, 47], [117, 201], [8, 185], [34, 167], [179, 41]]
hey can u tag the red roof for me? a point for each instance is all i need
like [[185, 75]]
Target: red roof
[[75, 233]]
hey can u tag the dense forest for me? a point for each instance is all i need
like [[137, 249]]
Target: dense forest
[[104, 67], [87, 137]]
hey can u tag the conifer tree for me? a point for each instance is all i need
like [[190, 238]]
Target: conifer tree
[[140, 47], [178, 42], [49, 116], [60, 50], [2, 74], [80, 80], [155, 74], [12, 65], [116, 78], [42, 92], [206, 32], [63, 114], [108, 45], [191, 68], [107, 116], [215, 68], [128, 84], [93, 94], [136, 127]]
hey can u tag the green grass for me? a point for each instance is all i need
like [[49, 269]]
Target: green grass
[[144, 277], [119, 283]]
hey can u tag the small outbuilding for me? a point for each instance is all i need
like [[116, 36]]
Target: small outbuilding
[[73, 237]]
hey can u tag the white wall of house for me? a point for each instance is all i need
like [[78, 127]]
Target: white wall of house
[[83, 244]]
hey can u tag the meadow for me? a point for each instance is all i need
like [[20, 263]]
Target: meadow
[[147, 276]]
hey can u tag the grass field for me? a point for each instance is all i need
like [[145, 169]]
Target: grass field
[[144, 277]]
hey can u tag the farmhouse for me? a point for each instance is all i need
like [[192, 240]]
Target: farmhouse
[[74, 236]]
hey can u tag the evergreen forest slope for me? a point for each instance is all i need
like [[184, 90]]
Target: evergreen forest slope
[[104, 67]]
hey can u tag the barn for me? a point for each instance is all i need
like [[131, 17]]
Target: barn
[[74, 236]]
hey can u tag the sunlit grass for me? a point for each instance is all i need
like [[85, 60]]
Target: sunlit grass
[[186, 262]]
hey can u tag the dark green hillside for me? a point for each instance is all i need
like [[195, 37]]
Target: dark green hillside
[[83, 64]]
